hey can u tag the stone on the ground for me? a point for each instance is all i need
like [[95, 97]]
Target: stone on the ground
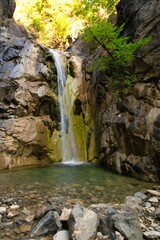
[[65, 214], [152, 235], [83, 223], [62, 235], [119, 236], [104, 227], [30, 218], [140, 195], [133, 204], [14, 207], [153, 200], [25, 228], [157, 213], [26, 211], [154, 192], [128, 225], [50, 223], [3, 210], [12, 214], [41, 211]]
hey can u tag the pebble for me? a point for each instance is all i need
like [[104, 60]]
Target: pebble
[[25, 228], [3, 210], [99, 235], [119, 236], [26, 211], [151, 234], [152, 209], [148, 205], [62, 235], [157, 212], [65, 214], [154, 192], [10, 215], [30, 218], [140, 195], [9, 200], [21, 225], [153, 200], [13, 207]]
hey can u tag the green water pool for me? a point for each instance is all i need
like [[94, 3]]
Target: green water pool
[[89, 183]]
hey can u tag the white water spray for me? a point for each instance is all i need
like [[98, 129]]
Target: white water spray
[[69, 151]]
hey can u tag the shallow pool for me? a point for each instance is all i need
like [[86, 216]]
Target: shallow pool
[[86, 182]]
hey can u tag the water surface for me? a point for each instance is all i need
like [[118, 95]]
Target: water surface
[[86, 182]]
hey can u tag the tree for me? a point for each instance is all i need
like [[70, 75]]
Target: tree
[[119, 51], [52, 21]]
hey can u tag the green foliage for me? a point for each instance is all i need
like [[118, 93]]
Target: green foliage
[[92, 10], [122, 51], [54, 22], [51, 21]]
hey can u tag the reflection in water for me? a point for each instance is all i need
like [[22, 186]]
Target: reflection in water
[[87, 182]]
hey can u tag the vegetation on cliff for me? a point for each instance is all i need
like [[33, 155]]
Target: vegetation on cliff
[[59, 23], [56, 23]]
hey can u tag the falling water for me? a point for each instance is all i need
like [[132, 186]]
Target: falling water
[[69, 151]]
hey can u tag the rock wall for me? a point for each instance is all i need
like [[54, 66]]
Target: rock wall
[[129, 129], [28, 105]]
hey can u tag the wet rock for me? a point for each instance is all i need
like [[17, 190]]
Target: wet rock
[[50, 223], [83, 223]]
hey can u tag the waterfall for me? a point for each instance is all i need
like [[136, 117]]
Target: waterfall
[[69, 149]]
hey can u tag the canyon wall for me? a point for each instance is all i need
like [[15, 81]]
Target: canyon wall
[[129, 128], [28, 103]]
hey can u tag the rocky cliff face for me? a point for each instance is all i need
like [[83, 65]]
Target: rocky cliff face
[[129, 136], [28, 106]]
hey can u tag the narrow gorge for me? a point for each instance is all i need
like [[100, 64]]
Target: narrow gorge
[[121, 135], [79, 141]]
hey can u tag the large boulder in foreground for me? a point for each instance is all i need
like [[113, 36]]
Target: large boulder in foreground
[[83, 223]]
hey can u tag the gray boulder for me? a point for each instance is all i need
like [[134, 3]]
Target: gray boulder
[[50, 223], [127, 224], [83, 223]]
